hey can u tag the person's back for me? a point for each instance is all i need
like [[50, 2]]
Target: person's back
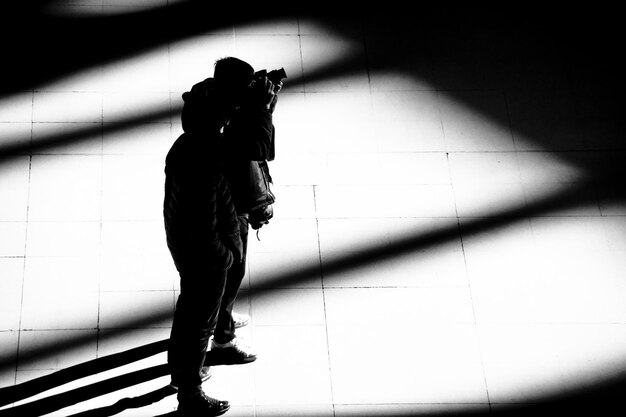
[[200, 220]]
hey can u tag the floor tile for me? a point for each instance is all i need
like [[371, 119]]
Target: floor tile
[[300, 169], [137, 108], [16, 137], [12, 270], [76, 107], [276, 26], [382, 307], [355, 201], [235, 384], [391, 252], [137, 272], [615, 232], [318, 50], [145, 72], [413, 168], [61, 194], [13, 238], [136, 309], [582, 199], [340, 108], [17, 107], [67, 138], [286, 235], [288, 307], [408, 121], [269, 270], [395, 63], [418, 268], [485, 168], [479, 200], [294, 202], [133, 239], [466, 128], [63, 239], [436, 364], [147, 138], [14, 180], [55, 349], [298, 372], [538, 167], [192, 58], [132, 187], [527, 362], [8, 355], [304, 410], [381, 410], [609, 199], [60, 293]]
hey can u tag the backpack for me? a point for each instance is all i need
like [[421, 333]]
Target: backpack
[[262, 197]]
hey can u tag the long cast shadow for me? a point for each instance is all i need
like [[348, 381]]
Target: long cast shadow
[[603, 398], [30, 388]]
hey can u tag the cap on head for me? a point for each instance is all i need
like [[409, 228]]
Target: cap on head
[[232, 73]]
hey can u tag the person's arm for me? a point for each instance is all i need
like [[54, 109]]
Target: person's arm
[[250, 133]]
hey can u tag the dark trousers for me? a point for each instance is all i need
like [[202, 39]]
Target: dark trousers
[[204, 308], [225, 329]]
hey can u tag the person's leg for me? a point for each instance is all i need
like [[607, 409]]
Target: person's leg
[[195, 319], [225, 327]]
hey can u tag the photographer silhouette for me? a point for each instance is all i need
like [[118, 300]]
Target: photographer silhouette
[[227, 123]]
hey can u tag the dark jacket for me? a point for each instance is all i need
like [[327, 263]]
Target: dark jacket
[[248, 145], [201, 224], [248, 135], [200, 220]]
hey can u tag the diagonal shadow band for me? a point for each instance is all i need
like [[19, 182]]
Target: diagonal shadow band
[[22, 146], [27, 389], [128, 403], [55, 42], [310, 274], [66, 399]]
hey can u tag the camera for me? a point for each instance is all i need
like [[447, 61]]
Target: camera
[[275, 76]]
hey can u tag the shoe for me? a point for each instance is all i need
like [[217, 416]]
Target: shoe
[[205, 374], [200, 404], [231, 353], [240, 320]]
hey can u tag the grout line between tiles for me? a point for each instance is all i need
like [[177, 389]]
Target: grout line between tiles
[[321, 271]]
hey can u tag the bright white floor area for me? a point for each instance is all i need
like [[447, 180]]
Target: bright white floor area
[[446, 240]]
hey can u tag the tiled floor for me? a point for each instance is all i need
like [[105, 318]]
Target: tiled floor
[[449, 233]]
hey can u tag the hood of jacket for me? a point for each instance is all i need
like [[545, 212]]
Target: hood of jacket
[[204, 112]]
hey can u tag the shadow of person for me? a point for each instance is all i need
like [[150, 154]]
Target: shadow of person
[[65, 399]]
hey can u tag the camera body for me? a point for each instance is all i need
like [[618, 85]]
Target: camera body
[[275, 76]]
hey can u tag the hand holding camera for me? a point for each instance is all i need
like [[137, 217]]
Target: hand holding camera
[[266, 86]]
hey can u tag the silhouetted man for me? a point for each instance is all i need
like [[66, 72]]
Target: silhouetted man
[[202, 226]]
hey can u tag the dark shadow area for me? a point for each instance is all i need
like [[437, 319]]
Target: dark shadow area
[[30, 388], [129, 403], [60, 45], [69, 398], [557, 68], [24, 146]]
